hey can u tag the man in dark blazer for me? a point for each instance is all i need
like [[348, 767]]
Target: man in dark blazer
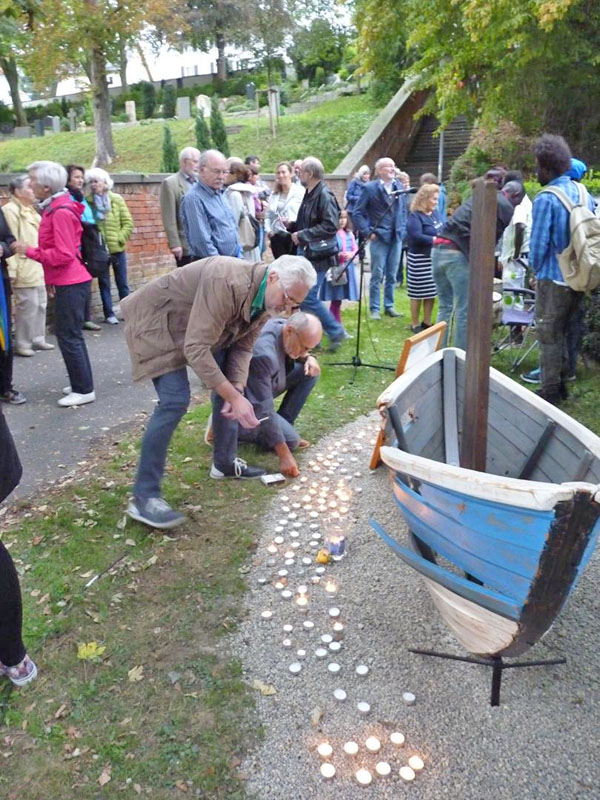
[[172, 190], [281, 363], [381, 215]]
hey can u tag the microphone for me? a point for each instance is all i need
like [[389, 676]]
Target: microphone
[[396, 192]]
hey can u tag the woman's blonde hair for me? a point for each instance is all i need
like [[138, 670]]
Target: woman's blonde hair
[[423, 196]]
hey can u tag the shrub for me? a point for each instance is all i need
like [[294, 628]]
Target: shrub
[[148, 99], [591, 340], [169, 100], [319, 76], [202, 132], [217, 128], [170, 160]]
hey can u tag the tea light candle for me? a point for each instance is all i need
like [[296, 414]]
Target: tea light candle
[[296, 524], [327, 771], [333, 668], [416, 763], [285, 509], [292, 515], [335, 647], [302, 602], [331, 586], [315, 579], [325, 750], [284, 498], [294, 535], [279, 529], [363, 708], [307, 560], [351, 748], [303, 479], [272, 548], [295, 667], [278, 540], [261, 581], [397, 738], [338, 627], [373, 744], [288, 554], [308, 625], [279, 585], [282, 573], [286, 594], [302, 589], [383, 768], [320, 652], [271, 562], [326, 638], [296, 505], [363, 777], [409, 698], [266, 614], [287, 643], [339, 694], [313, 514], [407, 774], [289, 561], [283, 522], [288, 628], [334, 612], [362, 670], [313, 543], [319, 570], [301, 653]]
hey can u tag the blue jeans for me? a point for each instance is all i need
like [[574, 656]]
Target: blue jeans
[[173, 390], [119, 265], [384, 267], [451, 276], [313, 305], [69, 313], [298, 386]]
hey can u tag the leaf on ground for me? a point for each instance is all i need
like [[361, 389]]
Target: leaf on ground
[[61, 711], [90, 651], [137, 788], [105, 776], [187, 459], [136, 674], [151, 561], [182, 786], [264, 688], [122, 522]]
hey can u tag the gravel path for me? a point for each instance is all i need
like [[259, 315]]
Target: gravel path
[[542, 742]]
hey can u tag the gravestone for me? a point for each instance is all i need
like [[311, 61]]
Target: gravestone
[[48, 123], [55, 124], [72, 116], [39, 127], [22, 132], [130, 110], [183, 110], [203, 102]]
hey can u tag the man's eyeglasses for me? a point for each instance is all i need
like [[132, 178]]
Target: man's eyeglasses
[[289, 301]]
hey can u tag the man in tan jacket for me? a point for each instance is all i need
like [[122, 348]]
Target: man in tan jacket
[[207, 315], [172, 190]]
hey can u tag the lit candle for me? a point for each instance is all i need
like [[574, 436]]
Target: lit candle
[[397, 738], [327, 771], [272, 548], [302, 602], [383, 768], [351, 748], [339, 695], [363, 777], [409, 698], [279, 585], [333, 668], [338, 627], [407, 773], [331, 586], [416, 763], [363, 708], [373, 744], [315, 579], [362, 670], [325, 750]]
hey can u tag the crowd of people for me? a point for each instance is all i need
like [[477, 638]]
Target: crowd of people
[[244, 323]]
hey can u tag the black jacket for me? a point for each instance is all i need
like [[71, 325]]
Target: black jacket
[[10, 466], [318, 218], [6, 239], [458, 227]]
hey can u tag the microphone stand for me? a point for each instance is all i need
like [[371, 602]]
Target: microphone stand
[[356, 360]]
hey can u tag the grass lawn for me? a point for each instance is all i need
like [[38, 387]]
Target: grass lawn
[[155, 705], [328, 131]]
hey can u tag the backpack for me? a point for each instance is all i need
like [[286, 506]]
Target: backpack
[[93, 252], [579, 262]]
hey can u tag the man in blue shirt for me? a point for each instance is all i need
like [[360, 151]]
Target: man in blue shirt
[[381, 215], [208, 221], [555, 301]]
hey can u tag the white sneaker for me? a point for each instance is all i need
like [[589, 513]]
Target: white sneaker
[[67, 390], [112, 320], [76, 399]]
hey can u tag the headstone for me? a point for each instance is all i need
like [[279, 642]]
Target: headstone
[[39, 127], [130, 110], [203, 102], [304, 83], [183, 110], [22, 132], [48, 122], [55, 124], [251, 91], [274, 101], [72, 116]]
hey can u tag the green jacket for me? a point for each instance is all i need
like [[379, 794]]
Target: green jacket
[[118, 224]]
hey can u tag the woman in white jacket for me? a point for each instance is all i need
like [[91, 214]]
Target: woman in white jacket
[[284, 203], [240, 196]]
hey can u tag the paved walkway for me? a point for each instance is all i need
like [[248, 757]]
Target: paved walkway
[[52, 440]]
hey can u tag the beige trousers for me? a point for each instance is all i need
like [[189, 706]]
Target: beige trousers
[[30, 316]]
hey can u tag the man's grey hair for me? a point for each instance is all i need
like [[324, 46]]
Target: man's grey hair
[[99, 174], [188, 152], [293, 270], [208, 154], [380, 161], [49, 174], [314, 166], [301, 321], [17, 182]]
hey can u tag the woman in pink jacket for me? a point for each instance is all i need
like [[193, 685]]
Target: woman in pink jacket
[[67, 279]]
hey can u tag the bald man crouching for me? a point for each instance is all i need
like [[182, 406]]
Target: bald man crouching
[[280, 363]]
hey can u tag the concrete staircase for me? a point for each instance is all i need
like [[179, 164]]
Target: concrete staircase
[[423, 154]]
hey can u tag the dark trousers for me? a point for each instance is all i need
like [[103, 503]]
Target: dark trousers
[[555, 305], [119, 265], [225, 431], [69, 311], [184, 260], [6, 356], [12, 651], [282, 245]]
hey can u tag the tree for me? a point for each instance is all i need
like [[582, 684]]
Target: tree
[[382, 32], [215, 23], [15, 30], [202, 133], [169, 100], [148, 99], [170, 159], [320, 45], [217, 127]]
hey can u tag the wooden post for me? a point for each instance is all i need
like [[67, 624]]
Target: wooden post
[[479, 331]]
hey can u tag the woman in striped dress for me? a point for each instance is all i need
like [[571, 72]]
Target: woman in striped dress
[[423, 224]]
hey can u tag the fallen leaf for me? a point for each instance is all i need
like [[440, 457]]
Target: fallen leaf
[[137, 788], [136, 674], [90, 651], [151, 561], [61, 711], [122, 522], [105, 776], [187, 459], [315, 716], [264, 688], [182, 786]]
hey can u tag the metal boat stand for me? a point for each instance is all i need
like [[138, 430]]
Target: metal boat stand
[[495, 662]]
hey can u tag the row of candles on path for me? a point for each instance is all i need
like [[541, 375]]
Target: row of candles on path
[[364, 776]]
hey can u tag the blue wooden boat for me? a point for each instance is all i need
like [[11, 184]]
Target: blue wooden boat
[[500, 550]]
